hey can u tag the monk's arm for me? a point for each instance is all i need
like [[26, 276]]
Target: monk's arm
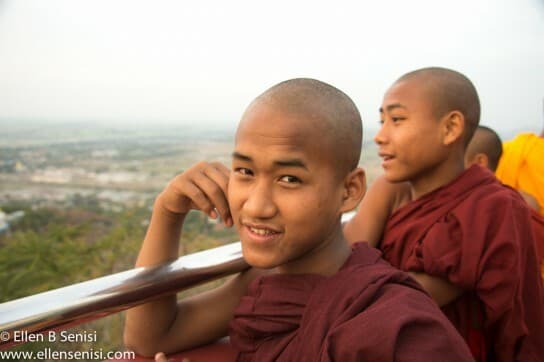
[[530, 200], [369, 222], [441, 290], [165, 324], [382, 198]]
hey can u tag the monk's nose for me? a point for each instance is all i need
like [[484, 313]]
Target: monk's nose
[[259, 203], [381, 136]]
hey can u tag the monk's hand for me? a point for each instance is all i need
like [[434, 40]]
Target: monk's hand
[[160, 357], [202, 187]]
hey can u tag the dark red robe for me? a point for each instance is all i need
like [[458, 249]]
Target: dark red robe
[[368, 311], [537, 221], [477, 234]]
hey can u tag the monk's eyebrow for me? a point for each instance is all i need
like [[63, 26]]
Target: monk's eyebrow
[[290, 162], [294, 162], [241, 157], [391, 107]]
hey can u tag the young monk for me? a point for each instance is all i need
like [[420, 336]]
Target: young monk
[[522, 167], [485, 149], [312, 297], [462, 227]]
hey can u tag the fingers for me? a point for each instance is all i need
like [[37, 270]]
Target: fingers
[[218, 192], [202, 187], [160, 357]]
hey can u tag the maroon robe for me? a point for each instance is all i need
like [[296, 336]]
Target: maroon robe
[[368, 311], [538, 231], [477, 234]]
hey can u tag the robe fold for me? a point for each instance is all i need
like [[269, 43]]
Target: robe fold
[[522, 165], [477, 234], [538, 230], [368, 311]]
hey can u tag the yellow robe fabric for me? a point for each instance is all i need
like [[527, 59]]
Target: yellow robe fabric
[[522, 165]]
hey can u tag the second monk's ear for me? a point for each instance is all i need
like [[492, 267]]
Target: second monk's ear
[[354, 189], [482, 160]]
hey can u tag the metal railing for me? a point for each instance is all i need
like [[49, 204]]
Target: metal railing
[[97, 298]]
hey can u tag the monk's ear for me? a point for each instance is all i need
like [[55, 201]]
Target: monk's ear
[[453, 127], [354, 189], [481, 159]]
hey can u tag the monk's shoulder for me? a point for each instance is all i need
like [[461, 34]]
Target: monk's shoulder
[[408, 307], [367, 265], [387, 293], [493, 206], [494, 194]]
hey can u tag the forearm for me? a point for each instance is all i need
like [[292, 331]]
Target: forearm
[[441, 290], [376, 207], [146, 325], [167, 324], [161, 242]]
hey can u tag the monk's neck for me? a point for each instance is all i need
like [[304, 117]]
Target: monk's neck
[[326, 258], [435, 179]]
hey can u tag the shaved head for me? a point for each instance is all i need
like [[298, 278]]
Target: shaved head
[[449, 91], [323, 107], [488, 142]]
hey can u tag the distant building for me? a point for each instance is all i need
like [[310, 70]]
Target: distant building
[[11, 166], [15, 216], [6, 220], [4, 226], [108, 153], [52, 175], [20, 167]]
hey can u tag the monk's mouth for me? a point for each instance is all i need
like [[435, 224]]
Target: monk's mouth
[[261, 235], [262, 232], [385, 156]]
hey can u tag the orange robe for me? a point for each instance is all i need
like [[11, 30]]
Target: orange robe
[[522, 165], [477, 234]]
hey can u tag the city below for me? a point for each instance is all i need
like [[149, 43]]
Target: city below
[[66, 165]]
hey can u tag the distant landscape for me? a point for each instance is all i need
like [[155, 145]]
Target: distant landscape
[[62, 165], [75, 201]]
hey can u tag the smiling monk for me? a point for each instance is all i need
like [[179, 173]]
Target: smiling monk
[[311, 297]]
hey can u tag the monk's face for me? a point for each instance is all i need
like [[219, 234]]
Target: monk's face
[[410, 137], [284, 193]]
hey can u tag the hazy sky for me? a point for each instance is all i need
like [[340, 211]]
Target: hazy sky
[[144, 62]]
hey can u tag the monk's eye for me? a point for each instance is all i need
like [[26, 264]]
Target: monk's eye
[[243, 171], [290, 179]]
